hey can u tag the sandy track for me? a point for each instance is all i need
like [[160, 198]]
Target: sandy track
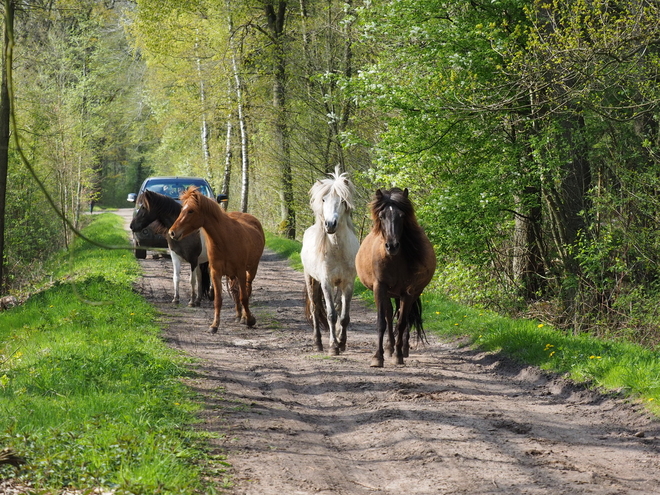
[[293, 421]]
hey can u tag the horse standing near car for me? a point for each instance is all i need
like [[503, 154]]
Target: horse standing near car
[[234, 243], [328, 257], [164, 210], [396, 260]]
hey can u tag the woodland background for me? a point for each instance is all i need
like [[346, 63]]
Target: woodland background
[[526, 131]]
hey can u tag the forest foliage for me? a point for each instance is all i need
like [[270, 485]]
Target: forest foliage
[[526, 130]]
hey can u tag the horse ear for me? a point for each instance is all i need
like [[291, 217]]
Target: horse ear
[[379, 194], [405, 192]]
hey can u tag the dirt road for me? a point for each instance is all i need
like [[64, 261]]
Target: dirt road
[[293, 421]]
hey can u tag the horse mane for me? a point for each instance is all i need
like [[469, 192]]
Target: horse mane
[[196, 199], [161, 206], [413, 235], [337, 183]]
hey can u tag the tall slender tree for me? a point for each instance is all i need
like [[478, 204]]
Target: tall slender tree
[[5, 109]]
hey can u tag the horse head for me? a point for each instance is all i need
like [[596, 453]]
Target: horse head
[[390, 209], [191, 217], [331, 200], [144, 214]]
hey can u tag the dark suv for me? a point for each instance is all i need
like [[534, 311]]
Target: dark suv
[[169, 186]]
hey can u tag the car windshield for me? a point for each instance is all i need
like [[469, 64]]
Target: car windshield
[[175, 187]]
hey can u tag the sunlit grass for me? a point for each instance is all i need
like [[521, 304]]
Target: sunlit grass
[[287, 248], [612, 366], [89, 393]]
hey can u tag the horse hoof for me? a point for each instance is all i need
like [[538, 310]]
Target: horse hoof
[[251, 321], [193, 304], [388, 353], [213, 329], [399, 360], [342, 347], [319, 347], [175, 301], [377, 362], [333, 351]]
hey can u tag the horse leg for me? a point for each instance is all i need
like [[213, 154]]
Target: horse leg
[[176, 275], [314, 301], [245, 301], [249, 277], [403, 330], [195, 285], [242, 317], [383, 308], [235, 292], [331, 311], [217, 299], [390, 326], [345, 314]]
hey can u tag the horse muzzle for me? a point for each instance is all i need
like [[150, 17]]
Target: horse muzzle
[[174, 235], [330, 228], [392, 248]]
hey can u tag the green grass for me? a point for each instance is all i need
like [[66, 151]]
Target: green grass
[[89, 393], [617, 366], [621, 367], [288, 248]]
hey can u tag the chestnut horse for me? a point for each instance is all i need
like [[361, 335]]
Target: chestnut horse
[[234, 243], [396, 260]]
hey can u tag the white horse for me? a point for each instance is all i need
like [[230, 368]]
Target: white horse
[[328, 257]]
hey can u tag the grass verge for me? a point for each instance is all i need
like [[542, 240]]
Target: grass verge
[[621, 367], [89, 394]]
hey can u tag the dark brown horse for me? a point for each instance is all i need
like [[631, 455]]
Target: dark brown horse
[[396, 260], [234, 243]]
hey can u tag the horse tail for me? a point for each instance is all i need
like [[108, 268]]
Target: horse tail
[[206, 280], [308, 305], [415, 321], [233, 288], [319, 303]]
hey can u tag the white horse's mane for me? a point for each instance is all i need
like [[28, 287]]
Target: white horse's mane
[[337, 183]]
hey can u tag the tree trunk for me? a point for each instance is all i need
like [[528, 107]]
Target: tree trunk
[[226, 179], [204, 128], [245, 158], [238, 88], [281, 132], [528, 266], [4, 132]]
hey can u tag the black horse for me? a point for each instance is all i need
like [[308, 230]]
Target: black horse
[[163, 210]]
